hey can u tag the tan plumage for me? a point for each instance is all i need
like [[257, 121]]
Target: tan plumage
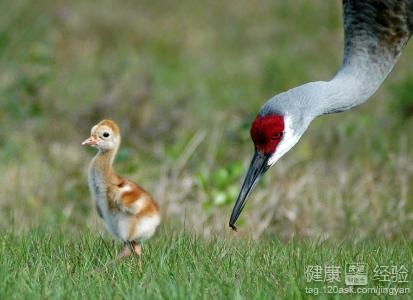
[[129, 212]]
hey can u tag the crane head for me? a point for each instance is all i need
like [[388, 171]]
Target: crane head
[[273, 136]]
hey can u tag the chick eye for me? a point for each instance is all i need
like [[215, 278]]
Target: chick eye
[[277, 136], [106, 134]]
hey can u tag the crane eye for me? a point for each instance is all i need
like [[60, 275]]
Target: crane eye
[[277, 136], [106, 134]]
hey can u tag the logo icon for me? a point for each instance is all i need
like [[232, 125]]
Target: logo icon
[[356, 274]]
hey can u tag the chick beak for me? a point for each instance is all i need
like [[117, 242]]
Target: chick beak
[[258, 166], [91, 141]]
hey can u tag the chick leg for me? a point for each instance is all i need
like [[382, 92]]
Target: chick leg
[[138, 250], [126, 251]]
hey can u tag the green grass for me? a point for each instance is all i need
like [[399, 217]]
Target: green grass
[[44, 263], [184, 82]]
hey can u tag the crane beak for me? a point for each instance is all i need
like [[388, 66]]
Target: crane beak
[[91, 141], [258, 166]]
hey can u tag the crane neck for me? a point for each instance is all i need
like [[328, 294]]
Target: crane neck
[[354, 83], [356, 80], [103, 162]]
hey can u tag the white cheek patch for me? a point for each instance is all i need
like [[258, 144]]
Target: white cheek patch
[[288, 141]]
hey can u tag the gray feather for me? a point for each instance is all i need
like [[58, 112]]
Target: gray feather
[[375, 32], [378, 28]]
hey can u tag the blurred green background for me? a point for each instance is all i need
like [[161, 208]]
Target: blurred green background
[[184, 79]]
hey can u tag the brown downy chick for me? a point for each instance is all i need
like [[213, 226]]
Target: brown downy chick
[[129, 212]]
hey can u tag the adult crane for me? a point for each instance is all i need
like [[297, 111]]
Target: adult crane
[[375, 32]]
